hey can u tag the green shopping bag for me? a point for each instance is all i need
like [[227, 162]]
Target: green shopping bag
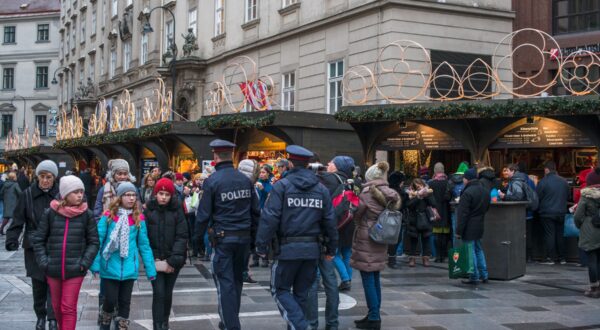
[[460, 261]]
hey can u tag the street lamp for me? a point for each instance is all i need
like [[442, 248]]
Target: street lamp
[[147, 28], [54, 82], [24, 107]]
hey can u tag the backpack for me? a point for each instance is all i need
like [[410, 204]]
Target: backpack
[[345, 203], [532, 197], [387, 228]]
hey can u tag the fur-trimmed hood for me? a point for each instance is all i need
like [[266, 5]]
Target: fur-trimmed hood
[[383, 194], [591, 193]]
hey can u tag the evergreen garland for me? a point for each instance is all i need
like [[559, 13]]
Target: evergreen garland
[[115, 137], [237, 121], [21, 152]]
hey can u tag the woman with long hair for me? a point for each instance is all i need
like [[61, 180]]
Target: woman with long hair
[[123, 235], [420, 197]]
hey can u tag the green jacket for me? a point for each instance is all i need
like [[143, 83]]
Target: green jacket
[[589, 204]]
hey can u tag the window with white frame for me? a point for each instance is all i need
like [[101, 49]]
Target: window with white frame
[[144, 49], [335, 74], [43, 32], [251, 10], [126, 55], [288, 2], [115, 8], [219, 17], [93, 27], [101, 61], [113, 63], [40, 122], [288, 91], [92, 68], [82, 24], [193, 20], [168, 35], [41, 76]]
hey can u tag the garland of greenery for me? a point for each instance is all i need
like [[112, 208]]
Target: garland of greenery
[[472, 109], [236, 121], [21, 152], [115, 137]]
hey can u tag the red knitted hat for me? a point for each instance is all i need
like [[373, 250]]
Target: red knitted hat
[[178, 176], [164, 184]]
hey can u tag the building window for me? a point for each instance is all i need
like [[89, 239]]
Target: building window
[[41, 77], [144, 49], [113, 62], [101, 61], [114, 8], [40, 122], [168, 34], [8, 78], [288, 91], [93, 27], [43, 32], [288, 2], [570, 16], [81, 73], [74, 35], [68, 37], [445, 86], [219, 17], [7, 124], [251, 10], [92, 68], [335, 74], [126, 55], [9, 34], [82, 24], [192, 20]]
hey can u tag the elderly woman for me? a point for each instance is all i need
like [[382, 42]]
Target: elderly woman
[[367, 256]]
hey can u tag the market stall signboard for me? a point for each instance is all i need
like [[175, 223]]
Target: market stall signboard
[[418, 137], [543, 133]]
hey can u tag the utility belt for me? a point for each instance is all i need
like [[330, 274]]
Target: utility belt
[[214, 236], [279, 241]]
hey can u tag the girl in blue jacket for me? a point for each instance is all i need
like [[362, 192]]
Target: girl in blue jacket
[[122, 232]]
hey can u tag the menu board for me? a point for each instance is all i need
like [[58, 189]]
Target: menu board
[[418, 137], [148, 164], [543, 133]]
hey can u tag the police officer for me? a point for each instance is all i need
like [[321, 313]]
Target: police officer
[[298, 211], [230, 207]]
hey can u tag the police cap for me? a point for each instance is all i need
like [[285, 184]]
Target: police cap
[[219, 145], [299, 153]]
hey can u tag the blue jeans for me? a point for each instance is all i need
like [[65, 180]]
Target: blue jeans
[[372, 288], [479, 266], [327, 271], [342, 263]]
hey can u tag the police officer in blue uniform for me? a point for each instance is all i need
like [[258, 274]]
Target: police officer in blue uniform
[[299, 213], [231, 208]]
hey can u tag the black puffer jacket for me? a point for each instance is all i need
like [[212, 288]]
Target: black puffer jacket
[[81, 247], [167, 231], [474, 203], [417, 217], [442, 196], [30, 209]]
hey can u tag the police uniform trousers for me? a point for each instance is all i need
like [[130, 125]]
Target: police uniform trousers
[[296, 275], [227, 268]]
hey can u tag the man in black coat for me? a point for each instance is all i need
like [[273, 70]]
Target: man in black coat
[[29, 211], [474, 203], [553, 193]]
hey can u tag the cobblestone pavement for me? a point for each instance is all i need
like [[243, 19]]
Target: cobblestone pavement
[[548, 297]]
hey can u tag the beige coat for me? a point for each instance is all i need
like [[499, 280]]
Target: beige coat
[[367, 255]]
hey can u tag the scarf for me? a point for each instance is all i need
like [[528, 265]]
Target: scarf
[[440, 177], [68, 211], [107, 198], [119, 237]]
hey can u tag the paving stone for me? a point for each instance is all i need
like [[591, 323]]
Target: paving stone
[[533, 308], [457, 295], [551, 293], [440, 311], [568, 302], [535, 326]]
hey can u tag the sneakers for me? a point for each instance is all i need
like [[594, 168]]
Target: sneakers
[[547, 261], [470, 282], [345, 286], [248, 279], [562, 262]]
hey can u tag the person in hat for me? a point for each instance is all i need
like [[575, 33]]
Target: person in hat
[[298, 211], [179, 181], [29, 211], [118, 171], [470, 212], [283, 166], [231, 208], [168, 235], [65, 245], [123, 235]]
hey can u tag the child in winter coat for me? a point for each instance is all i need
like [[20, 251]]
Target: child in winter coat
[[65, 244], [123, 235], [168, 235]]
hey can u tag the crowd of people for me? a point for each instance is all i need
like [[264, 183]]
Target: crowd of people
[[244, 216]]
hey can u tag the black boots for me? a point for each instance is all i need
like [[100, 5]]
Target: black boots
[[392, 263], [160, 326], [40, 324], [105, 319], [365, 323], [345, 286], [52, 325]]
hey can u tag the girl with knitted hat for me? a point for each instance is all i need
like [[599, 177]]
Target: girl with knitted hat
[[65, 244], [118, 171], [123, 235], [168, 235]]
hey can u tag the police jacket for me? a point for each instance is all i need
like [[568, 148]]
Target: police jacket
[[229, 204], [298, 207]]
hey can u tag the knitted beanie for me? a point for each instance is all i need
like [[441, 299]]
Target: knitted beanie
[[438, 168], [248, 167], [118, 164], [377, 171], [47, 166], [124, 187], [178, 176], [344, 164], [164, 184], [69, 184], [471, 174]]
